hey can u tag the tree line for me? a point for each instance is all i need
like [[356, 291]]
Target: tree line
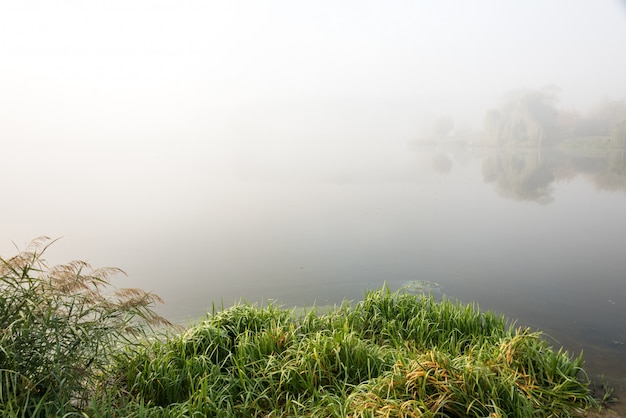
[[532, 118]]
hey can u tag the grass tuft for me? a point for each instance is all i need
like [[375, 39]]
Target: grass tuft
[[390, 355]]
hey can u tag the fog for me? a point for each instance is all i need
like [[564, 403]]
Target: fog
[[133, 71], [123, 118]]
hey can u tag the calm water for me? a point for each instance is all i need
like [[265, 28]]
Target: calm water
[[537, 235]]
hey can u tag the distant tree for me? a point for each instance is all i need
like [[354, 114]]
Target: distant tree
[[493, 125], [606, 118], [568, 123], [526, 117], [618, 133], [443, 127]]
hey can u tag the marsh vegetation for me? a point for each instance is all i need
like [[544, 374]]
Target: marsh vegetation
[[59, 328], [70, 348]]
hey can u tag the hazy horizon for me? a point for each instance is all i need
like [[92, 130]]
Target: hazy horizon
[[138, 68], [113, 111]]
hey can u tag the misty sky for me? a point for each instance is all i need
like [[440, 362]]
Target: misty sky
[[102, 99], [91, 68]]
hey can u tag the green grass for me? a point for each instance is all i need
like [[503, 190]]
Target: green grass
[[66, 351], [392, 354]]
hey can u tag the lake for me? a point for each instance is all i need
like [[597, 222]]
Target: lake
[[537, 235]]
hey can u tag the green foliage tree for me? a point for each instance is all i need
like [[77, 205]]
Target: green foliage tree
[[526, 117]]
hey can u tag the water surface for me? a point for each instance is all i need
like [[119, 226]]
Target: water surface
[[537, 235]]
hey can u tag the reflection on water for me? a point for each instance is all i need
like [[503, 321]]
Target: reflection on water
[[521, 175], [530, 174]]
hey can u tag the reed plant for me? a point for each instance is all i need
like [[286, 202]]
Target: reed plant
[[59, 327]]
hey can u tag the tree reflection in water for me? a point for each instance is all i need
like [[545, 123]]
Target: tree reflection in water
[[520, 174], [529, 173]]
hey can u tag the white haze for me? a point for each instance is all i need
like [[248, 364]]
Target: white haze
[[120, 119]]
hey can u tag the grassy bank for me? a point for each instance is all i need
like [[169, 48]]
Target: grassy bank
[[392, 354], [389, 355]]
